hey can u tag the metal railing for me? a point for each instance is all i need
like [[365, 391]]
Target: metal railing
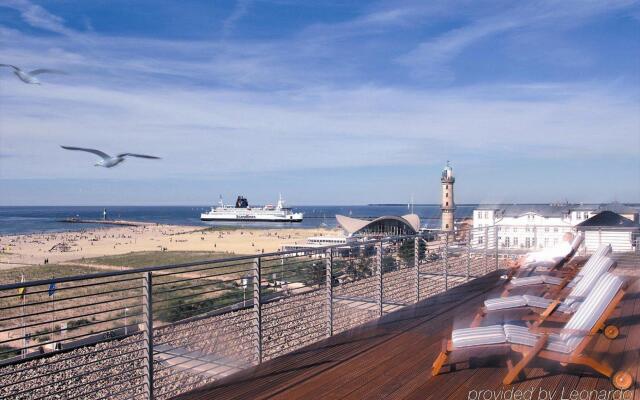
[[160, 331]]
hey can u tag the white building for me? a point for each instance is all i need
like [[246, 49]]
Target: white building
[[315, 242], [536, 226], [608, 227]]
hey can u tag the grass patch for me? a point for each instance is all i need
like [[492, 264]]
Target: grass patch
[[140, 259], [37, 272]]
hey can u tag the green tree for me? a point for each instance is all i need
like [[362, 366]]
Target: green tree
[[406, 251]]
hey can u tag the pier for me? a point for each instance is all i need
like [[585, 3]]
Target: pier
[[119, 222]]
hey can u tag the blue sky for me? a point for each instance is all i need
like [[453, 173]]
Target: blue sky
[[330, 102]]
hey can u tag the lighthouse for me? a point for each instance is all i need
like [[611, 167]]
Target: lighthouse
[[448, 206]]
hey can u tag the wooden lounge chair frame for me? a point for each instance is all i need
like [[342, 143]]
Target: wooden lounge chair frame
[[620, 379]]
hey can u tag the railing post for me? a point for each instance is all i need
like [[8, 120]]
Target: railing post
[[446, 261], [379, 274], [468, 255], [495, 241], [147, 313], [416, 264], [329, 289], [486, 243], [257, 311]]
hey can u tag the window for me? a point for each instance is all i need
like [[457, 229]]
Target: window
[[446, 194], [480, 239], [555, 241], [555, 230], [546, 229], [586, 215], [446, 225], [447, 203], [546, 242], [507, 242], [527, 243], [515, 240]]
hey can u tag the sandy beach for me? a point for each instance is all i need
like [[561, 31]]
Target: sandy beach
[[33, 249]]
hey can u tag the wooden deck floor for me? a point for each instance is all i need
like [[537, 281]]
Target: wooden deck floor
[[392, 357]]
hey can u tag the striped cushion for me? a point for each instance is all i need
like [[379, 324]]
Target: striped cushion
[[588, 281], [591, 309], [545, 266], [551, 280], [536, 280], [542, 263], [483, 335], [602, 250], [521, 335], [527, 281], [501, 303], [577, 241], [592, 263], [547, 262], [537, 301]]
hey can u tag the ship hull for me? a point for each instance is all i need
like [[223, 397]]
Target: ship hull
[[243, 213], [205, 217]]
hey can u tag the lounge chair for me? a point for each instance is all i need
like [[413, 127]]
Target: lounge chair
[[570, 278], [545, 307], [565, 347]]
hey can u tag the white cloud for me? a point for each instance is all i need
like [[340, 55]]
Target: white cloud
[[214, 132], [37, 16]]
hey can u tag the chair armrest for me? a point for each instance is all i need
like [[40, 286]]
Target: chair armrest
[[547, 331]]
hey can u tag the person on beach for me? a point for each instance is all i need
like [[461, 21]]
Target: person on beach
[[549, 254]]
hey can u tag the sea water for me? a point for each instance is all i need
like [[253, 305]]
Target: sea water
[[19, 220]]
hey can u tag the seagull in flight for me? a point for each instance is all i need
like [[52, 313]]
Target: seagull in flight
[[30, 77], [108, 161]]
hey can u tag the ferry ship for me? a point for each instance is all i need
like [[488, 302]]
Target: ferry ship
[[245, 213]]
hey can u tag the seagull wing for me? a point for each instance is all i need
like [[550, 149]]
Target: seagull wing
[[10, 66], [138, 155], [94, 151], [46, 71]]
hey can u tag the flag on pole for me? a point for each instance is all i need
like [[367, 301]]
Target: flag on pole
[[52, 288], [22, 290]]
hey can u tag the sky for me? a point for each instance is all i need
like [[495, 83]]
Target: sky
[[332, 102]]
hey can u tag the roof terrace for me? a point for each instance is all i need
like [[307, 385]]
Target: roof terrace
[[392, 357]]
